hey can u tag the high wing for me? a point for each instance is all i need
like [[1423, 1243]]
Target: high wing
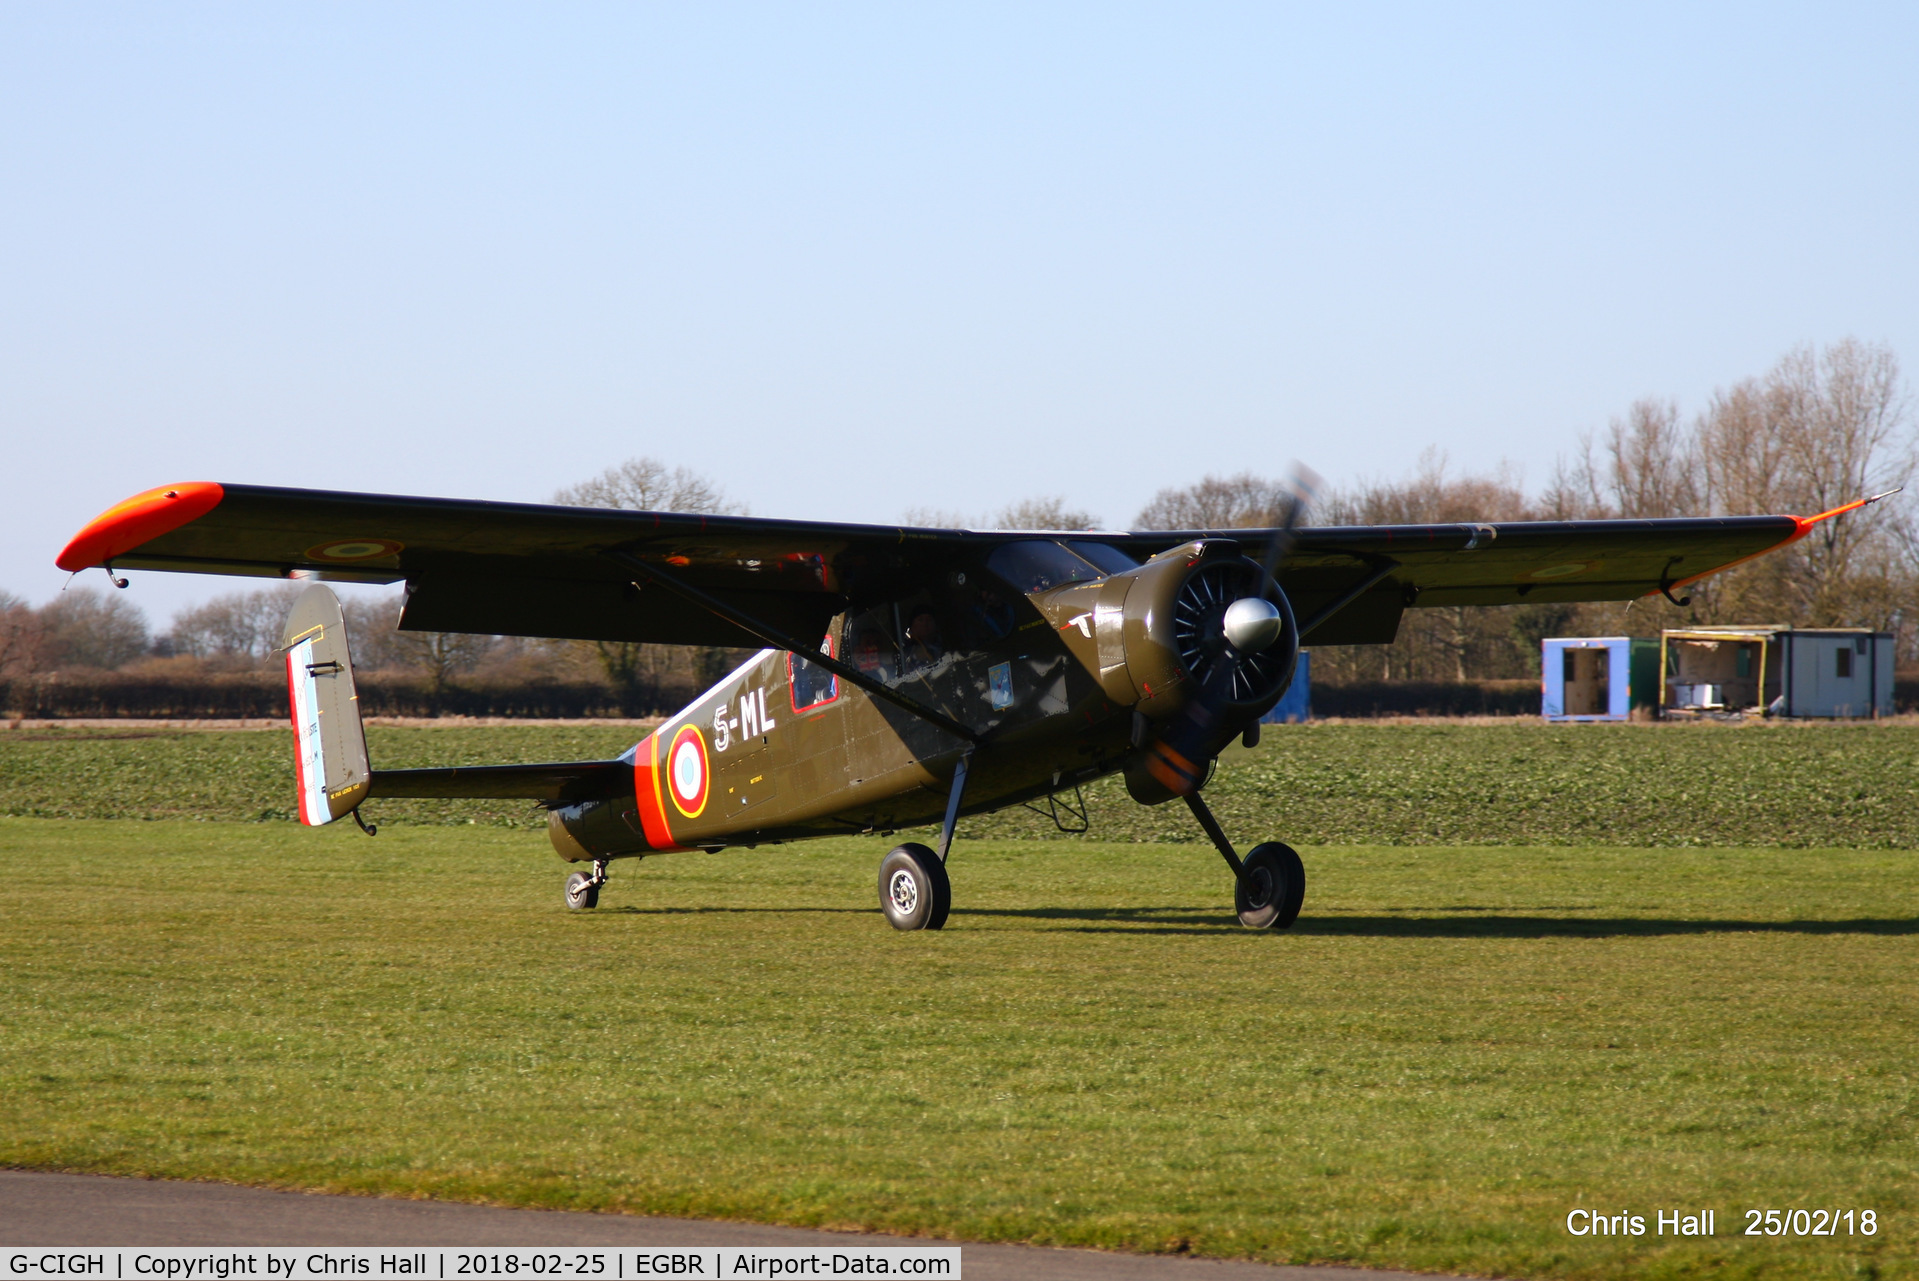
[[530, 570]]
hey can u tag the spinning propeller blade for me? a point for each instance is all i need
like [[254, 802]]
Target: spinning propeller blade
[[1302, 489], [1247, 627]]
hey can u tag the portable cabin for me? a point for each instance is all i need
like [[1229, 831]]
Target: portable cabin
[[1296, 704], [1719, 670], [1598, 678], [1841, 672], [1807, 672]]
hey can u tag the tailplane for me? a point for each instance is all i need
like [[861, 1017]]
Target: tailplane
[[330, 745]]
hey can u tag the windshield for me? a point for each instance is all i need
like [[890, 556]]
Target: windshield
[[1111, 560], [1037, 564]]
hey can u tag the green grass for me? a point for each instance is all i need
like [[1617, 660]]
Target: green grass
[[1453, 1049], [1443, 784]]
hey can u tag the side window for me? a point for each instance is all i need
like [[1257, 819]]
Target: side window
[[900, 638], [869, 645], [1844, 655], [810, 684]]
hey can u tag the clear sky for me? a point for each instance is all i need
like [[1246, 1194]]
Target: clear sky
[[852, 260]]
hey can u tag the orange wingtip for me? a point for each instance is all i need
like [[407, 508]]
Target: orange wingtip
[[140, 519], [1802, 525], [1807, 522]]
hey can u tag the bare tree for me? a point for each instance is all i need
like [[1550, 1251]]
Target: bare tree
[[935, 518], [441, 655], [1818, 430], [1453, 642], [84, 628], [638, 671], [373, 626], [1244, 501], [21, 636], [1652, 462], [1648, 467], [1430, 495], [237, 627], [647, 485], [1043, 513]]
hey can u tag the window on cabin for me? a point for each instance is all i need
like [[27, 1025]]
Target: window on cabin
[[1844, 657], [811, 684]]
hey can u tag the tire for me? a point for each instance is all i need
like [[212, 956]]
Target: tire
[[581, 894], [914, 891], [1279, 881]]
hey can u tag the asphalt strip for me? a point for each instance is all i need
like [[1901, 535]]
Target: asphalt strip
[[38, 1209]]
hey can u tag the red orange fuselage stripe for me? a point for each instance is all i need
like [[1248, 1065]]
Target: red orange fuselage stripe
[[646, 790], [137, 521]]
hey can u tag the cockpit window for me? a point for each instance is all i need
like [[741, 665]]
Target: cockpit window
[[1110, 560], [1037, 564], [811, 684]]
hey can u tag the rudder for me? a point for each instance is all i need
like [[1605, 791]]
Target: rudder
[[330, 744]]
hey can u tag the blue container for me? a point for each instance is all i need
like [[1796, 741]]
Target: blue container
[[1296, 704]]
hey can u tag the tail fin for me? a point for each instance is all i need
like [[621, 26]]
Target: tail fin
[[330, 743]]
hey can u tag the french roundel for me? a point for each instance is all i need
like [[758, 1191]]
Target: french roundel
[[686, 771]]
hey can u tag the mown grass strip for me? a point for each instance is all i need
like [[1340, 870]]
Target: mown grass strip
[[1453, 1049], [1439, 784]]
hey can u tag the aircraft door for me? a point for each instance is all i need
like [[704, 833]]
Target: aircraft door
[[811, 757]]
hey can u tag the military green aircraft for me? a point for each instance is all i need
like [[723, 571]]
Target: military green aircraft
[[910, 676]]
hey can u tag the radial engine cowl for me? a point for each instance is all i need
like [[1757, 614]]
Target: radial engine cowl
[[1201, 617]]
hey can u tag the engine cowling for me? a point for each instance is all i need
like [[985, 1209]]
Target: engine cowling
[[1159, 637]]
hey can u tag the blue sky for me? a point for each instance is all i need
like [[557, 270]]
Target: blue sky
[[854, 260]]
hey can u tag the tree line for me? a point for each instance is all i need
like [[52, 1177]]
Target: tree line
[[1818, 429]]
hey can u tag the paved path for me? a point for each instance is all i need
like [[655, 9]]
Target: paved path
[[88, 1210]]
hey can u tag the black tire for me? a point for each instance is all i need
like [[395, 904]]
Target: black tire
[[1278, 879], [581, 893], [914, 891]]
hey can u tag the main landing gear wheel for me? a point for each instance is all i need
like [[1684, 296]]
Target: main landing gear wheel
[[1269, 895], [583, 891], [914, 891]]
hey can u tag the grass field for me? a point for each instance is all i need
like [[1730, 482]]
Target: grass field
[[1453, 1048], [1440, 784]]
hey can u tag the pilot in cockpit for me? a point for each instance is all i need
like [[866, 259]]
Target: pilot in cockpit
[[923, 647]]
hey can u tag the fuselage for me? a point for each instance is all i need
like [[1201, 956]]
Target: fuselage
[[782, 749]]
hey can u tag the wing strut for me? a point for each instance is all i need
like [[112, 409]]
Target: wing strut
[[1366, 584], [780, 640]]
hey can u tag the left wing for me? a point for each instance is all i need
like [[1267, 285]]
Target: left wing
[[531, 570]]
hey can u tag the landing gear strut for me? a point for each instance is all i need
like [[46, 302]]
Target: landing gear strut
[[583, 891], [1271, 881], [914, 891]]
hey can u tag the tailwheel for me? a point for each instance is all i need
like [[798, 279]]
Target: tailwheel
[[583, 891], [1268, 895], [914, 891]]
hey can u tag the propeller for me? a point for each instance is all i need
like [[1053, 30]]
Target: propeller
[[1227, 625], [1302, 490]]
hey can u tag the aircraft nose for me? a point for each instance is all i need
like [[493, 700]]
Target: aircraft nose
[[1252, 623]]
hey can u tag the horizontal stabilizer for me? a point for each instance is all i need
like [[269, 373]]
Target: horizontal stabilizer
[[562, 783]]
